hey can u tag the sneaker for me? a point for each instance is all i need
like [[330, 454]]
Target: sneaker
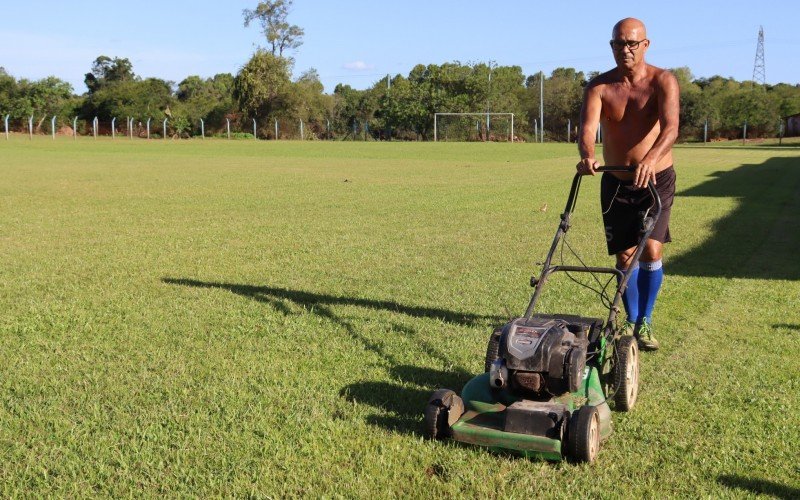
[[647, 341], [627, 328]]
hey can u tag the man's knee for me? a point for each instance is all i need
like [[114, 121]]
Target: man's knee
[[652, 251]]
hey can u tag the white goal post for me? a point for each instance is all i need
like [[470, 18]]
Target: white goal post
[[487, 115]]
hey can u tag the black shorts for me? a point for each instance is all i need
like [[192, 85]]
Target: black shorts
[[623, 206]]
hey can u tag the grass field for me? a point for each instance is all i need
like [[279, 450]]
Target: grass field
[[268, 319]]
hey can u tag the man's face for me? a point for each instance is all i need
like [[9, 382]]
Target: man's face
[[629, 43]]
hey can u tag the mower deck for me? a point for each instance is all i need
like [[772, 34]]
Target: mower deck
[[484, 420]]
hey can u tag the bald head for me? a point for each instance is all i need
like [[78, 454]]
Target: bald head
[[629, 26]]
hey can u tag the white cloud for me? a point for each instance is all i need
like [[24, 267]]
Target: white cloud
[[358, 66]]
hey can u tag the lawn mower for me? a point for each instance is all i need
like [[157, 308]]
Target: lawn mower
[[549, 377]]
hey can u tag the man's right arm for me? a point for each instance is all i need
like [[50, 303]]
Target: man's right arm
[[590, 120]]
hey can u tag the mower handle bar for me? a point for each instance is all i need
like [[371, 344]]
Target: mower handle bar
[[564, 227]]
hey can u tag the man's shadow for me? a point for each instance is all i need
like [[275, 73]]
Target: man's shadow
[[402, 402], [760, 237]]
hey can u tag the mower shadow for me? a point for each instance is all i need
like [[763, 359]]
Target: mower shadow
[[758, 239], [275, 296], [404, 404], [759, 486]]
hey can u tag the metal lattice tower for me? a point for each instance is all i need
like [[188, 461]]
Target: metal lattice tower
[[759, 75]]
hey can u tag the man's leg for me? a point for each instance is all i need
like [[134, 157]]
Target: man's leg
[[651, 275], [630, 299]]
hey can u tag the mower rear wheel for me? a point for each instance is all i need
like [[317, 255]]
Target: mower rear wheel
[[583, 434], [444, 408], [492, 349], [626, 373]]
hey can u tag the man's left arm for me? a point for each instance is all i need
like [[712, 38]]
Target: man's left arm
[[668, 118]]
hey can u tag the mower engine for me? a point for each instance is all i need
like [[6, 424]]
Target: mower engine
[[541, 357]]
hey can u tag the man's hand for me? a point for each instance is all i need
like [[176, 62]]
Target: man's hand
[[587, 166], [645, 171]]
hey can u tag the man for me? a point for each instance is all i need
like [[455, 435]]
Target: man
[[637, 106]]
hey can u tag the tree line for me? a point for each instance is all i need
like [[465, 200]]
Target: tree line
[[401, 107]]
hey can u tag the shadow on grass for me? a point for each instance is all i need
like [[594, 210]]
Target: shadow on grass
[[759, 486], [275, 297], [403, 403], [759, 238], [788, 326]]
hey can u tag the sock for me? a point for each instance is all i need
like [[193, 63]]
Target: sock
[[651, 274], [630, 299]]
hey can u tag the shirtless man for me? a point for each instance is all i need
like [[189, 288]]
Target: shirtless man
[[637, 106]]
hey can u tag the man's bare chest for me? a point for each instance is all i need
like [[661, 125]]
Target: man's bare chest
[[629, 103]]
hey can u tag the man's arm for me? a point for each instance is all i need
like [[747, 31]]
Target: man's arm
[[590, 118], [668, 118]]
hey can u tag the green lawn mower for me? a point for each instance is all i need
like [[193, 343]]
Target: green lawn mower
[[548, 377]]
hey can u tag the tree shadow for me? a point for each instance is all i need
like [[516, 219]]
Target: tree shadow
[[759, 486], [788, 326], [401, 404], [759, 238]]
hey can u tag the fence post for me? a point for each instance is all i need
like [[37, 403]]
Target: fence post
[[30, 127], [95, 126], [276, 129], [165, 128], [705, 132], [148, 127], [75, 128], [228, 120], [202, 129], [569, 127], [327, 129], [53, 127], [744, 133], [113, 128], [6, 122], [536, 130], [302, 131], [254, 129]]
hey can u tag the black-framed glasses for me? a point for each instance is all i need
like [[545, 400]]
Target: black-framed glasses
[[630, 44]]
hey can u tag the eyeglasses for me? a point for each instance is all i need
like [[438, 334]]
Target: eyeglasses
[[621, 44]]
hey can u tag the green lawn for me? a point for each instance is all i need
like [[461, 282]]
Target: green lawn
[[257, 318]]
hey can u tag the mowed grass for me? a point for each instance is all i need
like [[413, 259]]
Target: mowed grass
[[268, 319]]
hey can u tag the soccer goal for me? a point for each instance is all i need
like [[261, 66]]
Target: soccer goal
[[463, 127]]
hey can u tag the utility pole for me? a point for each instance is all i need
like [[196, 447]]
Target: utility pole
[[489, 96], [541, 105]]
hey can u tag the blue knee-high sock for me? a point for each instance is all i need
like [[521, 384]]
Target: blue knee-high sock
[[630, 299], [651, 274]]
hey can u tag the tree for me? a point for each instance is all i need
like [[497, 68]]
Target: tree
[[271, 15], [106, 70], [263, 86]]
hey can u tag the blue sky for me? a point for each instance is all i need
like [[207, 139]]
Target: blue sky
[[359, 41]]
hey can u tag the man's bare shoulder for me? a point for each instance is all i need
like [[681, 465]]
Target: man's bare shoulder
[[661, 77]]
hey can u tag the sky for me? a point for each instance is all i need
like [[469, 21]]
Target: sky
[[359, 42]]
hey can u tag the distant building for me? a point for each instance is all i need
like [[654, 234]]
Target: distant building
[[792, 125]]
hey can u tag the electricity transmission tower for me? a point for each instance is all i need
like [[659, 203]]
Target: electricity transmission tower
[[758, 68]]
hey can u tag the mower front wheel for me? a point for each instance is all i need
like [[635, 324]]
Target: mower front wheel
[[444, 408], [626, 373], [583, 434]]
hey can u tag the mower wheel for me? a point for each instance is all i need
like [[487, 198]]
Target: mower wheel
[[444, 408], [626, 373], [583, 434], [493, 349]]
